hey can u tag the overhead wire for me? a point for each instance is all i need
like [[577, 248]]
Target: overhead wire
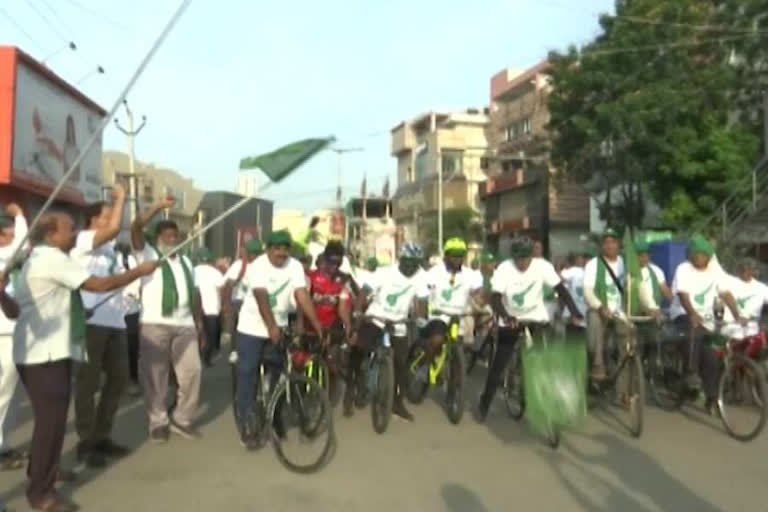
[[47, 21], [21, 30], [100, 17]]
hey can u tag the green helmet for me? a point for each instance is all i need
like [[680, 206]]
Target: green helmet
[[455, 247], [521, 247]]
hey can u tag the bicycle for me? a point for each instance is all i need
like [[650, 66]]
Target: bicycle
[[291, 399], [316, 359], [742, 388], [512, 388], [633, 397], [447, 369], [381, 375]]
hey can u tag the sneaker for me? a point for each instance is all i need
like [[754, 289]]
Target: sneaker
[[233, 357], [399, 410], [159, 434], [710, 405], [88, 455], [111, 449], [189, 433]]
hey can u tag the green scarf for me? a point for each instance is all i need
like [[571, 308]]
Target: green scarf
[[601, 290], [170, 296], [655, 286]]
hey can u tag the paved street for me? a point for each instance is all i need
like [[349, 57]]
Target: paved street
[[683, 462]]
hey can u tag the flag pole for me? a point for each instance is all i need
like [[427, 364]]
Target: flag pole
[[97, 133]]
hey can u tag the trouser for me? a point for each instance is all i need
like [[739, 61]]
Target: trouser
[[505, 347], [212, 327], [132, 336], [9, 378], [48, 387], [251, 350], [600, 330], [368, 337], [163, 346], [699, 356], [107, 353]]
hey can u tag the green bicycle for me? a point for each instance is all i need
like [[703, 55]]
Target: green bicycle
[[447, 369]]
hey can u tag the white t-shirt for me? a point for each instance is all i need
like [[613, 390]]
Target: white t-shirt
[[240, 290], [702, 287], [20, 231], [46, 283], [750, 297], [573, 278], [132, 292], [281, 284], [522, 293], [152, 292], [100, 261], [209, 281], [613, 295], [393, 294], [451, 296]]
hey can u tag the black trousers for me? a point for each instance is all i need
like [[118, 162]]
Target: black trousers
[[507, 344], [367, 337], [48, 387], [212, 326], [132, 333], [699, 356]]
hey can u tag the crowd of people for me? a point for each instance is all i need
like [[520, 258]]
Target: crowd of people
[[84, 315]]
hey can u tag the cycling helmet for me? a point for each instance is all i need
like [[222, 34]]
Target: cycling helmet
[[521, 247], [411, 250], [455, 247]]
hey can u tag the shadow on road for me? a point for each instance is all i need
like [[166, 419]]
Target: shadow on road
[[639, 471], [131, 429], [458, 498]]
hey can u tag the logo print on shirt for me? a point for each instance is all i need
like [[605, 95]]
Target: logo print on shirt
[[579, 291], [273, 296], [519, 298], [447, 293], [392, 298], [743, 301], [699, 297], [611, 289]]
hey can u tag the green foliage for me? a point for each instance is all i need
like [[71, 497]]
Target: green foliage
[[457, 222], [659, 119]]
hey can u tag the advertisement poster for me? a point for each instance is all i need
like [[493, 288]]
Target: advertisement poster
[[50, 128], [243, 234]]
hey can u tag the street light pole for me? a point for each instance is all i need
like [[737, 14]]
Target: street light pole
[[340, 152], [131, 134], [440, 202]]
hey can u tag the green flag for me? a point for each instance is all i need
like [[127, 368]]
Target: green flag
[[282, 161], [632, 272]]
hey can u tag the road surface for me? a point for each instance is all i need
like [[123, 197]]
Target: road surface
[[684, 461]]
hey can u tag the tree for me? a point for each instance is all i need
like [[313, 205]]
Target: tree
[[646, 109], [457, 222]]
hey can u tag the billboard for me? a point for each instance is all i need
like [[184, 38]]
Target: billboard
[[51, 123]]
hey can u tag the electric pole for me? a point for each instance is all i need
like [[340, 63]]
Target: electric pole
[[340, 152], [131, 133]]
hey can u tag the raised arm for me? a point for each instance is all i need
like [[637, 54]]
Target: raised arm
[[107, 284], [137, 228], [112, 229]]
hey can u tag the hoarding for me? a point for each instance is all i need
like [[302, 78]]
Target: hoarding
[[50, 125]]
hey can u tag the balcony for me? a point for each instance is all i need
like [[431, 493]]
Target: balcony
[[508, 181], [403, 139], [509, 226]]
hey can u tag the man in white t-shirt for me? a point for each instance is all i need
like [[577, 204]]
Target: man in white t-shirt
[[235, 288], [751, 296], [13, 229], [49, 337], [393, 290], [652, 276], [518, 301], [698, 286], [209, 281], [171, 328], [106, 340], [452, 287], [603, 276], [573, 278], [272, 278]]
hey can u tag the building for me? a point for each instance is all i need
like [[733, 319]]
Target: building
[[252, 220], [522, 194], [247, 183], [45, 122], [371, 230], [455, 143], [153, 183]]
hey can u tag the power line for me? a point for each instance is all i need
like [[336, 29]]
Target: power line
[[665, 46], [20, 29], [100, 17], [56, 16], [47, 21]]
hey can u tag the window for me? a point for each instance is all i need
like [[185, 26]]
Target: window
[[451, 162], [422, 164], [518, 129]]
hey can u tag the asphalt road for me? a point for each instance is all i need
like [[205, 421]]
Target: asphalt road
[[683, 462]]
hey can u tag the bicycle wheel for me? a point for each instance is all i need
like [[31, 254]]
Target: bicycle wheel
[[417, 390], [553, 437], [666, 377], [741, 382], [301, 423], [513, 386], [382, 390], [454, 385], [632, 398], [235, 411], [320, 373]]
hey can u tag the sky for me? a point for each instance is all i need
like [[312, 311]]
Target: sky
[[242, 77]]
